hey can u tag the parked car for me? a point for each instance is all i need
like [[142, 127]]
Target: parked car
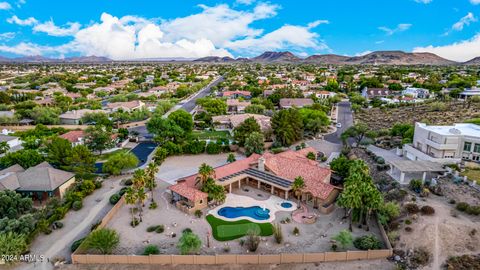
[[339, 125]]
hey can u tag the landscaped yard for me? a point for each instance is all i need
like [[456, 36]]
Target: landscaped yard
[[211, 135], [227, 230], [105, 156], [472, 174]]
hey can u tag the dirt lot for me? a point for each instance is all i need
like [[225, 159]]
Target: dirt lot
[[442, 234], [380, 118]]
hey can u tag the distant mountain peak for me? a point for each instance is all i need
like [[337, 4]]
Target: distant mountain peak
[[271, 56]]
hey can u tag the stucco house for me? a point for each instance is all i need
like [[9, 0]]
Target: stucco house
[[40, 182], [273, 173]]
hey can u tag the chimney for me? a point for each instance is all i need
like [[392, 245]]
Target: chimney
[[261, 164]]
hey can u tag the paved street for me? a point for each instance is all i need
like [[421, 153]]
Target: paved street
[[345, 117], [188, 105]]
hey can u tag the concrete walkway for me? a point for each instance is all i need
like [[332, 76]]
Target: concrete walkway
[[273, 203], [77, 224]]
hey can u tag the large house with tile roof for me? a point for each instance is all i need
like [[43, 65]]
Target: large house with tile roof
[[273, 173]]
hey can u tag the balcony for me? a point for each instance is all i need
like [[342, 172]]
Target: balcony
[[441, 146]]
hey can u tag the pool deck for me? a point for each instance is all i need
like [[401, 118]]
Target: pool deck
[[272, 203]]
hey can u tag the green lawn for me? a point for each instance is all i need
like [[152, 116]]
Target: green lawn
[[472, 174], [229, 230], [212, 135], [107, 155]]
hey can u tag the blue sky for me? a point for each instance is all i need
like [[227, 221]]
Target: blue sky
[[126, 29]]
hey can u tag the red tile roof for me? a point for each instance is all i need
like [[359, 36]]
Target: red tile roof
[[73, 136], [231, 93], [188, 192]]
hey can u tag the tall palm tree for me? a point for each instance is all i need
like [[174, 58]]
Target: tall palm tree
[[141, 197], [138, 179], [205, 171], [150, 173], [131, 198], [297, 187]]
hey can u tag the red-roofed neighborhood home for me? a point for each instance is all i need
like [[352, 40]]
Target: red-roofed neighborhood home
[[273, 173], [237, 94], [76, 137]]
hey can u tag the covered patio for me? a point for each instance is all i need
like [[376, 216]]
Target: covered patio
[[405, 170]]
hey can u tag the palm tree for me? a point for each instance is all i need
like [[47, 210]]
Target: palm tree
[[205, 171], [297, 186], [138, 179], [131, 198], [150, 182], [141, 197]]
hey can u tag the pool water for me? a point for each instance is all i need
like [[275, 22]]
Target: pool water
[[255, 212], [286, 205]]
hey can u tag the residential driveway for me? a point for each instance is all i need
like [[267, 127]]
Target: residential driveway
[[345, 117], [77, 224], [325, 146]]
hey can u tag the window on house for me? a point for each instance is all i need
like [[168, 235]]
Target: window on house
[[467, 146], [476, 149]]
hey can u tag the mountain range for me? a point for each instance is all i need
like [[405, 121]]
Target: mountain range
[[373, 58], [379, 57]]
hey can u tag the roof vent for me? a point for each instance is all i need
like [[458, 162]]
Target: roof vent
[[455, 131]]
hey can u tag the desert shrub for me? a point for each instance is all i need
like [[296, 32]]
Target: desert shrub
[[160, 229], [77, 205], [58, 224], [344, 237], [198, 213], [393, 237], [472, 232], [296, 231], [187, 230], [277, 233], [420, 257], [415, 185], [114, 198], [153, 205], [452, 201], [412, 208], [367, 242], [189, 243], [408, 229], [380, 160], [122, 191], [462, 206], [226, 249], [463, 262], [427, 210], [134, 222], [76, 244], [151, 228], [151, 250], [128, 182], [253, 241], [408, 221], [473, 210], [95, 225]]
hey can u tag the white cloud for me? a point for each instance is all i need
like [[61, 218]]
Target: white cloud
[[219, 24], [28, 21], [245, 2], [429, 1], [287, 36], [379, 41], [51, 29], [214, 31], [114, 38], [469, 18], [459, 51], [5, 6], [475, 2], [48, 27], [7, 35], [400, 28]]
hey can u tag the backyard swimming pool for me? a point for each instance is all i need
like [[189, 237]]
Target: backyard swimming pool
[[255, 212], [286, 205]]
